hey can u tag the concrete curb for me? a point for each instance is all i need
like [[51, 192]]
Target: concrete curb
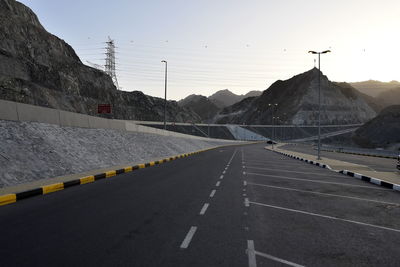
[[305, 160], [368, 179], [372, 180], [46, 189], [360, 154]]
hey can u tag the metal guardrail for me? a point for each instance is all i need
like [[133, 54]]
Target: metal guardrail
[[363, 151]]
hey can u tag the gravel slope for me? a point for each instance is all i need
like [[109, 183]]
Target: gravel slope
[[33, 151]]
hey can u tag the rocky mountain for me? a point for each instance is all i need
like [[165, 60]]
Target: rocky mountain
[[297, 100], [376, 104], [208, 107], [374, 88], [389, 97], [201, 105], [224, 98], [382, 131], [39, 68]]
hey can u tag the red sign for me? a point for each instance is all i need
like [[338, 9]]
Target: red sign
[[103, 108]]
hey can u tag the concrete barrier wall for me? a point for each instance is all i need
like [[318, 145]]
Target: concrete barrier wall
[[38, 114], [71, 119], [8, 110], [23, 112]]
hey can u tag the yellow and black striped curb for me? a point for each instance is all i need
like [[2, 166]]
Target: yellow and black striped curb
[[325, 166], [46, 189], [362, 177]]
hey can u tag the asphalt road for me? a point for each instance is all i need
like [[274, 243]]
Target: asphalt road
[[235, 206], [374, 163]]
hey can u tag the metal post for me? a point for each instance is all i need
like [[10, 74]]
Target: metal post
[[273, 129], [165, 95], [319, 98], [319, 106]]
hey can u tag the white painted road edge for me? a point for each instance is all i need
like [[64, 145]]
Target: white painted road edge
[[277, 259], [251, 253]]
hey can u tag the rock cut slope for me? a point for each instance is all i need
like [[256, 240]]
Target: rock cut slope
[[39, 68]]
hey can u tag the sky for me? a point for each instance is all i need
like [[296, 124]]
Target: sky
[[240, 45]]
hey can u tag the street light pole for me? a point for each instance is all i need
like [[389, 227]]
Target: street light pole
[[165, 94], [319, 99], [273, 128]]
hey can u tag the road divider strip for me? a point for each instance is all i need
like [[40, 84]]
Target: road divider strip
[[46, 189], [362, 177]]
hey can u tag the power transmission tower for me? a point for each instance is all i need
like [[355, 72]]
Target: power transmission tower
[[109, 67]]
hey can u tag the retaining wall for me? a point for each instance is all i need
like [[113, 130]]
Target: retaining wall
[[30, 113]]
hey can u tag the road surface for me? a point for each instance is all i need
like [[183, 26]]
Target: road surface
[[234, 206]]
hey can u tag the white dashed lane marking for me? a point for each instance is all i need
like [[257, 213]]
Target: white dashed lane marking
[[189, 236], [213, 193], [204, 208], [246, 202]]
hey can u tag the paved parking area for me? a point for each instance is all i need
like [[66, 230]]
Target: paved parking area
[[303, 215]]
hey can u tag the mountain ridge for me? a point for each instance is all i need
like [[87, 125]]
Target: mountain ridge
[[373, 87], [297, 100], [37, 67]]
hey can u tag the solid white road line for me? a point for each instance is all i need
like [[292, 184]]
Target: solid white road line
[[325, 216], [188, 238], [324, 194], [246, 202], [218, 183], [251, 253], [213, 193], [204, 208], [282, 170], [316, 181], [277, 259]]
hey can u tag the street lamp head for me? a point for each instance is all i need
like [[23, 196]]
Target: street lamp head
[[312, 52], [326, 51], [163, 61]]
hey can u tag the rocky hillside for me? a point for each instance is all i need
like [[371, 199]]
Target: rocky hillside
[[201, 105], [225, 98], [374, 88], [38, 68], [389, 97], [382, 131], [297, 100], [208, 107]]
